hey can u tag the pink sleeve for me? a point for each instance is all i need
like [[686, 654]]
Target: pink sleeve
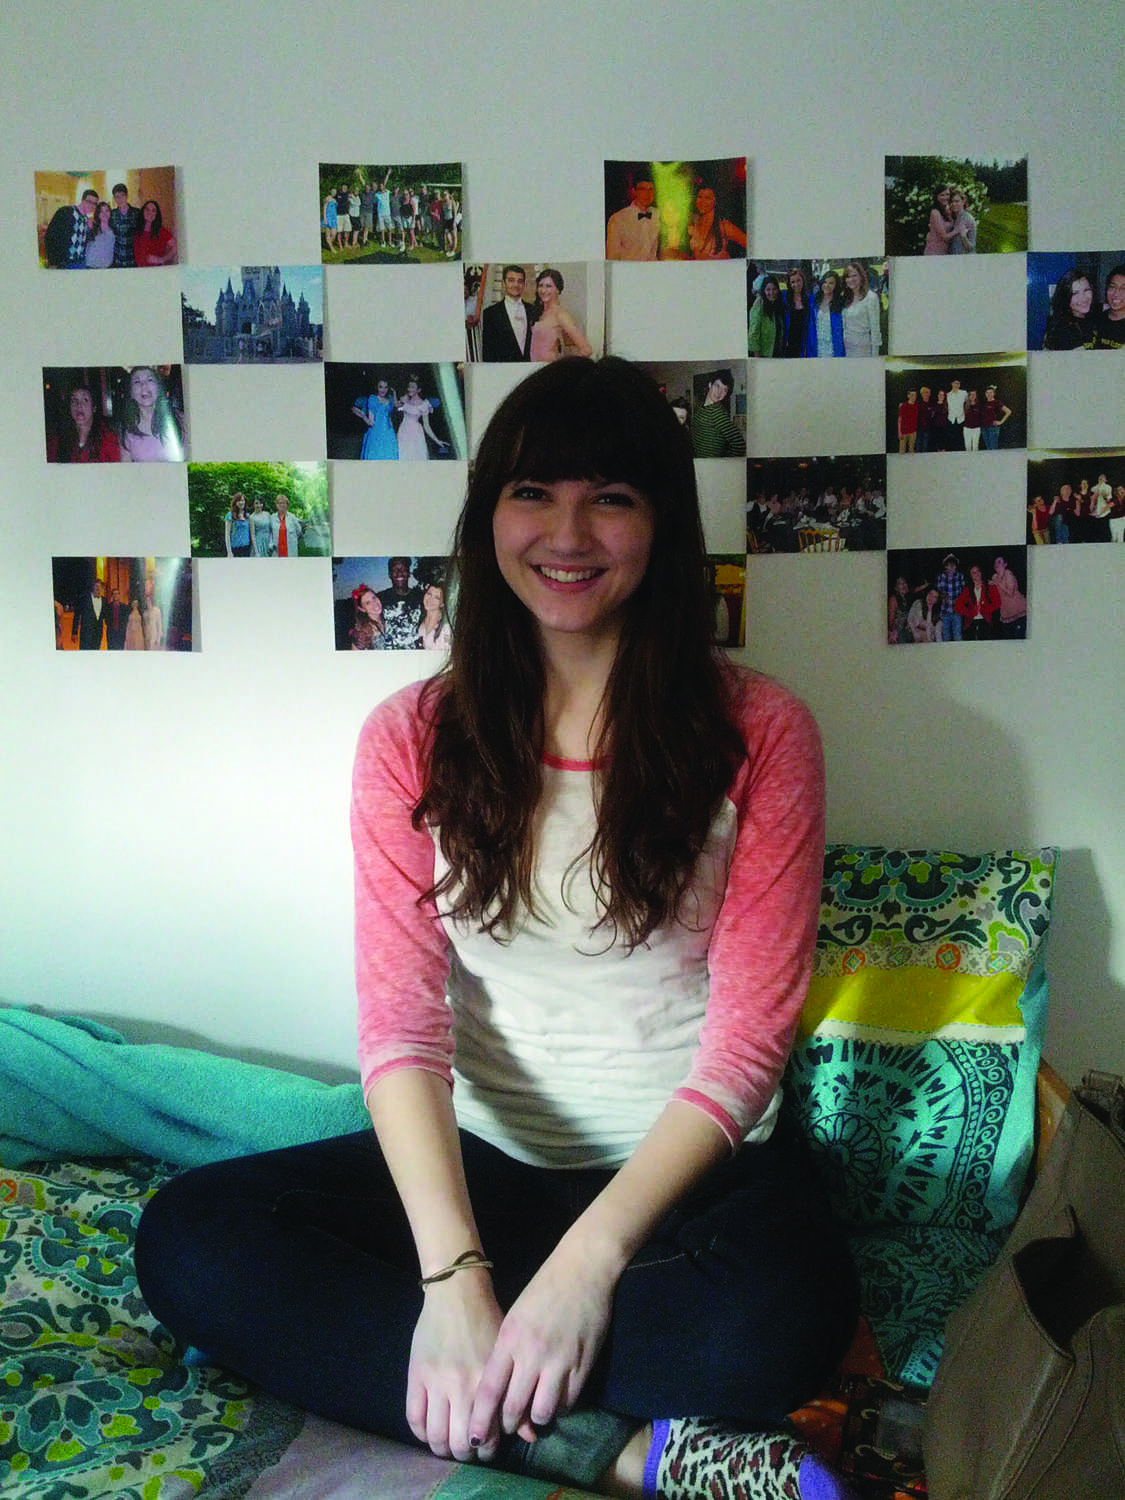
[[761, 954], [401, 950]]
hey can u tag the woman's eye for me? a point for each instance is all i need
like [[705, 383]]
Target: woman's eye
[[527, 492], [616, 497]]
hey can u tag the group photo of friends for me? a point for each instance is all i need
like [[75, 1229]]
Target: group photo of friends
[[818, 504], [1076, 301], [259, 509], [396, 603], [93, 221], [971, 594], [676, 210], [240, 315], [390, 214], [123, 603], [108, 414], [395, 411], [709, 401], [533, 312], [956, 404], [943, 205], [1076, 496], [818, 309]]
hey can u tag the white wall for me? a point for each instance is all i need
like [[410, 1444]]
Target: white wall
[[173, 829]]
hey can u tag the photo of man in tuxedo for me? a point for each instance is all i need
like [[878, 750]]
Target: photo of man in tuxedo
[[506, 325]]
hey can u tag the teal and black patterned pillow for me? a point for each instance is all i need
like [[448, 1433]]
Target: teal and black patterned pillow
[[914, 1072]]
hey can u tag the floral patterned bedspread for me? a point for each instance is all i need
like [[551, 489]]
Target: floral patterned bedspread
[[95, 1400]]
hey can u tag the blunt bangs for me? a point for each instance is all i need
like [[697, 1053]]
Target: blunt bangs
[[581, 419]]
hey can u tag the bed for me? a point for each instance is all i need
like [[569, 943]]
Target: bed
[[913, 1077]]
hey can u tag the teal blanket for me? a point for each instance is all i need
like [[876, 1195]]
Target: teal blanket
[[71, 1087]]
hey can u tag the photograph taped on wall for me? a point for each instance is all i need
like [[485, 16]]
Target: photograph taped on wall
[[946, 205], [943, 594], [393, 603], [1076, 300], [123, 604], [709, 399], [252, 315], [834, 307], [534, 311], [114, 414], [259, 509], [106, 218], [383, 410], [390, 213], [676, 210], [1075, 495], [817, 504], [956, 403], [726, 578]]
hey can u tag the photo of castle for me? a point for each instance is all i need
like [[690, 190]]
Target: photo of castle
[[262, 314]]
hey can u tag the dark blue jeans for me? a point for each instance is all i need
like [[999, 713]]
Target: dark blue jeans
[[297, 1270]]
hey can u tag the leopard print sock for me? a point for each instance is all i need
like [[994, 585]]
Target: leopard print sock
[[706, 1460]]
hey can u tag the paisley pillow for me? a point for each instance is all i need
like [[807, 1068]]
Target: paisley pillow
[[913, 1076]]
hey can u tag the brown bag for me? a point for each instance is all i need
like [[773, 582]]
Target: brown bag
[[1029, 1399]]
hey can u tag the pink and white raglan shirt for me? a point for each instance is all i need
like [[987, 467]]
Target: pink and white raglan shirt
[[563, 1048]]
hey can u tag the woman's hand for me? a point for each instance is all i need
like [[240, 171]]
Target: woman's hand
[[453, 1339], [545, 1348]]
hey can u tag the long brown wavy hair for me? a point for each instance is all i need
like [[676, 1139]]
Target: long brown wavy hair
[[668, 748]]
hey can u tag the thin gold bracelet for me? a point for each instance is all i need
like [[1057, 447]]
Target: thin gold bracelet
[[470, 1260]]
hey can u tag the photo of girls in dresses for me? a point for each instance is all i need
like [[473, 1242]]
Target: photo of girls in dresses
[[832, 308], [123, 603], [1076, 301], [395, 411], [390, 213], [103, 220], [709, 400], [836, 504], [534, 312], [396, 603], [943, 205], [1076, 495], [259, 510], [950, 403], [108, 414], [238, 315], [942, 595], [675, 210]]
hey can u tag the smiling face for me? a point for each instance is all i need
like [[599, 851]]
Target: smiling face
[[705, 202], [643, 194], [121, 198], [433, 600], [547, 291], [573, 552], [797, 282], [513, 284], [372, 606], [87, 204], [1115, 296], [400, 574], [975, 575], [382, 389], [943, 197], [144, 387], [770, 289], [412, 389], [103, 216], [829, 286], [149, 214], [1081, 297]]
